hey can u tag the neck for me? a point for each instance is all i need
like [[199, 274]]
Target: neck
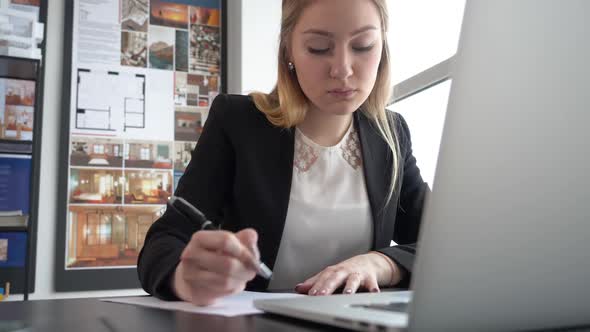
[[323, 128]]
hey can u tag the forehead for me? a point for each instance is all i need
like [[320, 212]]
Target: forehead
[[339, 17]]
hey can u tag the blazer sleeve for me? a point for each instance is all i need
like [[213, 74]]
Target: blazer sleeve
[[206, 184], [412, 196]]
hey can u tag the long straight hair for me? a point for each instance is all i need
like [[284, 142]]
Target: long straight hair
[[286, 105]]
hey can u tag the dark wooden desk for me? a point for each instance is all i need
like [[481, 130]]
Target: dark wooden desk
[[90, 315]]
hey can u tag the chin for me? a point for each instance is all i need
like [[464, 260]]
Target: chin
[[342, 108]]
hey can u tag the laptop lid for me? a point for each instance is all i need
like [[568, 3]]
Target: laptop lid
[[505, 239]]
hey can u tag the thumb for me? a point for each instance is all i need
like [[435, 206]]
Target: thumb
[[249, 239]]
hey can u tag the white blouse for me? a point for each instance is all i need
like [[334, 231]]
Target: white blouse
[[329, 217]]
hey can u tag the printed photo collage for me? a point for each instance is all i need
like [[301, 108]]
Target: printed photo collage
[[117, 189], [119, 182], [161, 34], [185, 39]]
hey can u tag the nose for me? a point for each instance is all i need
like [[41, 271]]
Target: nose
[[341, 65]]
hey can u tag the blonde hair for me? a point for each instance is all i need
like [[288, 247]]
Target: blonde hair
[[286, 105]]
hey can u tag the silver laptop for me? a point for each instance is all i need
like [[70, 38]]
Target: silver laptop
[[505, 240]]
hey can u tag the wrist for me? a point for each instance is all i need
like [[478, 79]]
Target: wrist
[[388, 273]]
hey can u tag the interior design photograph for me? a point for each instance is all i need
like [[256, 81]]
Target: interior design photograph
[[96, 152], [17, 100], [96, 186], [148, 154], [188, 125], [107, 236], [133, 49], [201, 89], [19, 92], [147, 187], [183, 154]]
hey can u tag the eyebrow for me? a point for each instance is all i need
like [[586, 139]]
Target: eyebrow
[[329, 34]]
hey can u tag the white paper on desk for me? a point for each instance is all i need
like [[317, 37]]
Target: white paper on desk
[[233, 305]]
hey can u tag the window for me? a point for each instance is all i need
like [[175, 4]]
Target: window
[[422, 33], [104, 232], [144, 154], [99, 149], [91, 229], [423, 39], [163, 151], [98, 229], [425, 114]]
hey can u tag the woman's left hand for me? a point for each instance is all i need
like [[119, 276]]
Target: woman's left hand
[[366, 271]]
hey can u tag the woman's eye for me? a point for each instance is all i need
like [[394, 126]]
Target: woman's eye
[[363, 48], [318, 50]]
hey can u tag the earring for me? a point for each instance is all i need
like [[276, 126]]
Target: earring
[[291, 66]]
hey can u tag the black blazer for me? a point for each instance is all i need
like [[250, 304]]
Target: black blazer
[[240, 176]]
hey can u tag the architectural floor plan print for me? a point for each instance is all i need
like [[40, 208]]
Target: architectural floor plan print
[[110, 101]]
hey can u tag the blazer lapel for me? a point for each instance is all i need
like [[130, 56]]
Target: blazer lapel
[[376, 160], [282, 178]]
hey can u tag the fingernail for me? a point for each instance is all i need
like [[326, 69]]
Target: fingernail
[[348, 291], [313, 292], [323, 292], [375, 290]]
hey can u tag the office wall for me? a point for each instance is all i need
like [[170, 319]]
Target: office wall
[[252, 45]]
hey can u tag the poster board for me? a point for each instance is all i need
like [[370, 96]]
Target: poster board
[[139, 78]]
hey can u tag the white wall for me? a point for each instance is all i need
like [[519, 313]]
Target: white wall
[[252, 46]]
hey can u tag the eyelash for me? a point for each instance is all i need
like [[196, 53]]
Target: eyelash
[[363, 49], [326, 50]]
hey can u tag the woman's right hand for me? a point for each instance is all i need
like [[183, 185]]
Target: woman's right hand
[[215, 264]]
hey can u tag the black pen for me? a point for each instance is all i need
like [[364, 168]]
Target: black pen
[[192, 213]]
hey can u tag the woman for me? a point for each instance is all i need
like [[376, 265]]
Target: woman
[[316, 174]]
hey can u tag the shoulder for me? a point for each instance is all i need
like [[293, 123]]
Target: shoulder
[[229, 105], [235, 109], [239, 119], [397, 121], [402, 130]]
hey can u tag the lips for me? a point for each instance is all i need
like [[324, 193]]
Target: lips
[[342, 93], [342, 90]]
